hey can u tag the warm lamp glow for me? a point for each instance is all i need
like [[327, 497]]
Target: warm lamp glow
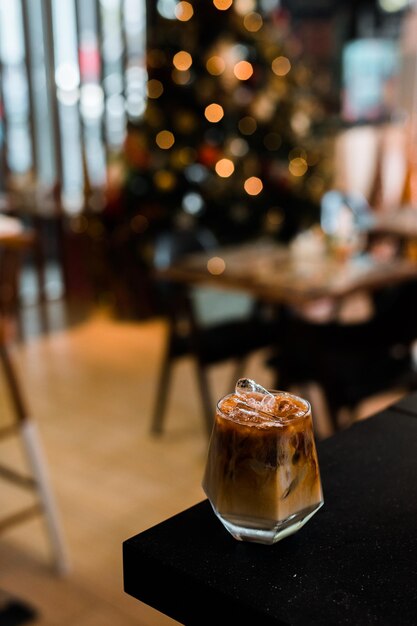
[[243, 70], [216, 265], [253, 186], [214, 112], [222, 5], [184, 11], [281, 66], [224, 168], [182, 60], [165, 139], [215, 65], [155, 88]]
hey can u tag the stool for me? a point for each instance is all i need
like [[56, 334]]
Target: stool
[[23, 425]]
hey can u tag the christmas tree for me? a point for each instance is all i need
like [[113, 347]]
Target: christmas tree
[[228, 139]]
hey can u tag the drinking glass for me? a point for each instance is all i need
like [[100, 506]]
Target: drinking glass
[[262, 474]]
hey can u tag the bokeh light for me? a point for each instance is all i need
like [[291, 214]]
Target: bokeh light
[[166, 8], [215, 65], [91, 101], [155, 88], [253, 22], [243, 70], [165, 139], [238, 147], [214, 112], [192, 203], [300, 122], [184, 11], [216, 265], [224, 168], [253, 185], [281, 66], [182, 60], [298, 166], [222, 5]]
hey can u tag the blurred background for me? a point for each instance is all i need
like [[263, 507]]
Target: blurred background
[[121, 120]]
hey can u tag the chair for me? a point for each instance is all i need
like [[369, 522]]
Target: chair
[[352, 362], [11, 250], [207, 344]]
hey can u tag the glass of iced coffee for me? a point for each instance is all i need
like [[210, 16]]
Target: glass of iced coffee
[[262, 475]]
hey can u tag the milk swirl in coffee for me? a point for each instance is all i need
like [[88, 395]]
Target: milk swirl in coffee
[[262, 475]]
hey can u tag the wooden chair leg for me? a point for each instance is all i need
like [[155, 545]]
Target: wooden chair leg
[[13, 385], [208, 406], [32, 447], [162, 394]]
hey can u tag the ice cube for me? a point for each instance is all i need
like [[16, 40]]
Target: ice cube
[[268, 403], [255, 395], [246, 386]]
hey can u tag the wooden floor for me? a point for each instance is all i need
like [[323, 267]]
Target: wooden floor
[[90, 385]]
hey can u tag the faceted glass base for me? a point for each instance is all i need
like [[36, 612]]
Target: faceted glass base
[[266, 531]]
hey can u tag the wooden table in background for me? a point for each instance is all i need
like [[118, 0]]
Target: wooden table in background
[[269, 272], [401, 223]]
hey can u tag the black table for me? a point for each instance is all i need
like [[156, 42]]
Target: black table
[[355, 561]]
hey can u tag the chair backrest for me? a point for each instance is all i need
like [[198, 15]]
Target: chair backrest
[[174, 298], [171, 246]]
